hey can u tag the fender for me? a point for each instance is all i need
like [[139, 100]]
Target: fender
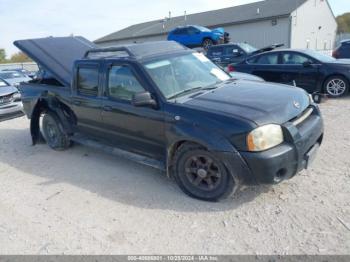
[[44, 104], [213, 141]]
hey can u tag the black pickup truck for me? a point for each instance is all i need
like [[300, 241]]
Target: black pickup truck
[[169, 107]]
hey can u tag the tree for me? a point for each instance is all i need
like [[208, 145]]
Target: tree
[[344, 23], [20, 57], [2, 55]]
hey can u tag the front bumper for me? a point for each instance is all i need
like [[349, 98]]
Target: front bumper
[[286, 160], [11, 110]]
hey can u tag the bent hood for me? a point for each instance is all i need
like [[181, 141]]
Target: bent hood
[[259, 102], [7, 90]]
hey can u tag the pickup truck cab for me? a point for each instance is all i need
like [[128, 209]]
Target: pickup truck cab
[[166, 106]]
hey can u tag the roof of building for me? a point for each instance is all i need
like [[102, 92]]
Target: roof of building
[[237, 14]]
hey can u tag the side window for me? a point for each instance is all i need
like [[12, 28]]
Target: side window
[[192, 30], [88, 81], [215, 51], [122, 83], [294, 59], [268, 59]]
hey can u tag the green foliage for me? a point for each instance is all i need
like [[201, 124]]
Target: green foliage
[[19, 57], [2, 55], [344, 23]]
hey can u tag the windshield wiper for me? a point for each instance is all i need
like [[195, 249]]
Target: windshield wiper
[[192, 90], [185, 92]]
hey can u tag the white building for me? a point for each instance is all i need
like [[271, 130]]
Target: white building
[[296, 23]]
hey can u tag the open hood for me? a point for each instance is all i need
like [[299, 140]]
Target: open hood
[[56, 54]]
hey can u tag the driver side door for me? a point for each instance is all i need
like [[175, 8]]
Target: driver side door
[[136, 129]]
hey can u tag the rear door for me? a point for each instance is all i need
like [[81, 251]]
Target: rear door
[[345, 50], [215, 54], [137, 129], [194, 36], [86, 98], [267, 67], [300, 70]]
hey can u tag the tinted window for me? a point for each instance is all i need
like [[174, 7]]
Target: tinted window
[[122, 83], [268, 59], [192, 31], [180, 31], [294, 59], [88, 81], [215, 51]]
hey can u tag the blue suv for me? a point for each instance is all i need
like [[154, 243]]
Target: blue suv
[[197, 36]]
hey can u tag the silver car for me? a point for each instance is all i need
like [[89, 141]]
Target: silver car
[[10, 101], [13, 77]]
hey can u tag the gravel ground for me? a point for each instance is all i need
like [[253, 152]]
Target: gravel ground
[[85, 202]]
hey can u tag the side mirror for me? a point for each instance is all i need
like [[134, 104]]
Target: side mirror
[[307, 64], [143, 99]]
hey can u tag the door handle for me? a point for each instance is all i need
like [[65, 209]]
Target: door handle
[[77, 103], [107, 108]]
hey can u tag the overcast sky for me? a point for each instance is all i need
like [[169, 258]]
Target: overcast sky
[[93, 19]]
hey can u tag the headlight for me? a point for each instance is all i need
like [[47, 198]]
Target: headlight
[[311, 99], [264, 138], [17, 96]]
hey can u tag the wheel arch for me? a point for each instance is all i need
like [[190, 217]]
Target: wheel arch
[[210, 143], [63, 112]]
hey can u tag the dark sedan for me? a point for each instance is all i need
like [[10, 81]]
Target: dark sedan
[[310, 70]]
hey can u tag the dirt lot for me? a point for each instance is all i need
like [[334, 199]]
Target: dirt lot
[[86, 202]]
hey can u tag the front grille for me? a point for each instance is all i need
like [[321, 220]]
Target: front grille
[[6, 99], [304, 116]]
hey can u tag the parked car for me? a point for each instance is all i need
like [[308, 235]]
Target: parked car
[[22, 71], [233, 53], [307, 69], [10, 101], [14, 77], [197, 36], [167, 106], [343, 51]]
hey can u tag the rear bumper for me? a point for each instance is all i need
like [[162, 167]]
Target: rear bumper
[[286, 160]]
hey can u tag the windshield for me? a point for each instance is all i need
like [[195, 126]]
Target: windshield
[[202, 28], [2, 83], [248, 48], [185, 73], [10, 75], [320, 57]]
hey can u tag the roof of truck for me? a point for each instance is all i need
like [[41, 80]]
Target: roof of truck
[[136, 51], [58, 54]]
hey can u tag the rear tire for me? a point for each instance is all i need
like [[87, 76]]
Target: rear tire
[[53, 132], [207, 43], [336, 86], [200, 175]]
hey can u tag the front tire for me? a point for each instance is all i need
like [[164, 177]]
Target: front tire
[[201, 175], [336, 86], [207, 43], [53, 132]]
